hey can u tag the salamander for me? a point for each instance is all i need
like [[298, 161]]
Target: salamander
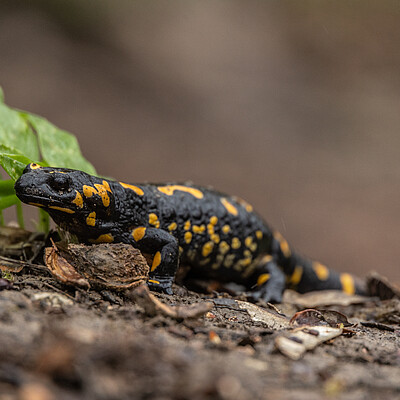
[[217, 235]]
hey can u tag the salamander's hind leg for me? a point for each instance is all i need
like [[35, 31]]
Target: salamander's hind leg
[[269, 281], [165, 250]]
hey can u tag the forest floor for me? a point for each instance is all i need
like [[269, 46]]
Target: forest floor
[[62, 342]]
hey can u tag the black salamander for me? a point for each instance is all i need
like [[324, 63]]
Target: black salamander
[[217, 235]]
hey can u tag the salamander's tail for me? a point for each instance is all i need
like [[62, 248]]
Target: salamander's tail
[[305, 276]]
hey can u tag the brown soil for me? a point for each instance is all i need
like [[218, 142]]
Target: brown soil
[[58, 342]]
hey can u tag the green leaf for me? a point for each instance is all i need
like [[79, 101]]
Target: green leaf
[[7, 187], [59, 148], [14, 164], [8, 150], [16, 133], [8, 201]]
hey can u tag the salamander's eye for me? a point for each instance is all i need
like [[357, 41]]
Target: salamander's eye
[[60, 182]]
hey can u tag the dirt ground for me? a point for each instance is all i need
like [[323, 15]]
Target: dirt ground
[[58, 342]]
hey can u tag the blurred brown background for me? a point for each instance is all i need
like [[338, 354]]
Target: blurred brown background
[[294, 106]]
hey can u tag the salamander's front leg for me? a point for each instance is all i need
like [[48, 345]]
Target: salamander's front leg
[[165, 250]]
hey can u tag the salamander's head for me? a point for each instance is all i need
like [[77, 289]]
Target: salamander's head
[[78, 202]]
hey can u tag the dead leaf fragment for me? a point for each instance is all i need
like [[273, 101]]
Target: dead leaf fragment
[[322, 298], [378, 325], [62, 270], [5, 284], [52, 299], [380, 286], [259, 314], [308, 317], [319, 317], [152, 306], [297, 342], [214, 337]]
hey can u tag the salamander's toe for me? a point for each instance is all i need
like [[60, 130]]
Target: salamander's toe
[[162, 285]]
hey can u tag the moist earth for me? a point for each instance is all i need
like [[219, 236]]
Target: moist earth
[[62, 342]]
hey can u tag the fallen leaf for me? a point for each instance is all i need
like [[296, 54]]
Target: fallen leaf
[[259, 314], [297, 342], [319, 317], [380, 286], [322, 298]]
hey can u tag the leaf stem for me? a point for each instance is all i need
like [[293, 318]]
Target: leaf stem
[[44, 221], [20, 215]]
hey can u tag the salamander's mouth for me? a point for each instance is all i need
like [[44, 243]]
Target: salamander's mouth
[[33, 195], [45, 203]]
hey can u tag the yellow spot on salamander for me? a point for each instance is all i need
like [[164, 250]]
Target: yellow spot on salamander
[[36, 204], [296, 276], [34, 166], [156, 261], [170, 189], [191, 254], [153, 220], [248, 207], [99, 189], [229, 206], [206, 261], [214, 220], [229, 259], [198, 229], [207, 249], [89, 191], [262, 279], [283, 244], [321, 271], [153, 281], [102, 192], [105, 238], [188, 237], [248, 241], [235, 243], [91, 219], [266, 259], [187, 225], [259, 235], [226, 229], [249, 270], [138, 233], [107, 186], [172, 226], [210, 229], [347, 282], [215, 238], [136, 189], [63, 209], [78, 199], [223, 247]]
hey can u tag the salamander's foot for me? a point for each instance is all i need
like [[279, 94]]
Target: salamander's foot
[[270, 285], [163, 285], [269, 295]]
